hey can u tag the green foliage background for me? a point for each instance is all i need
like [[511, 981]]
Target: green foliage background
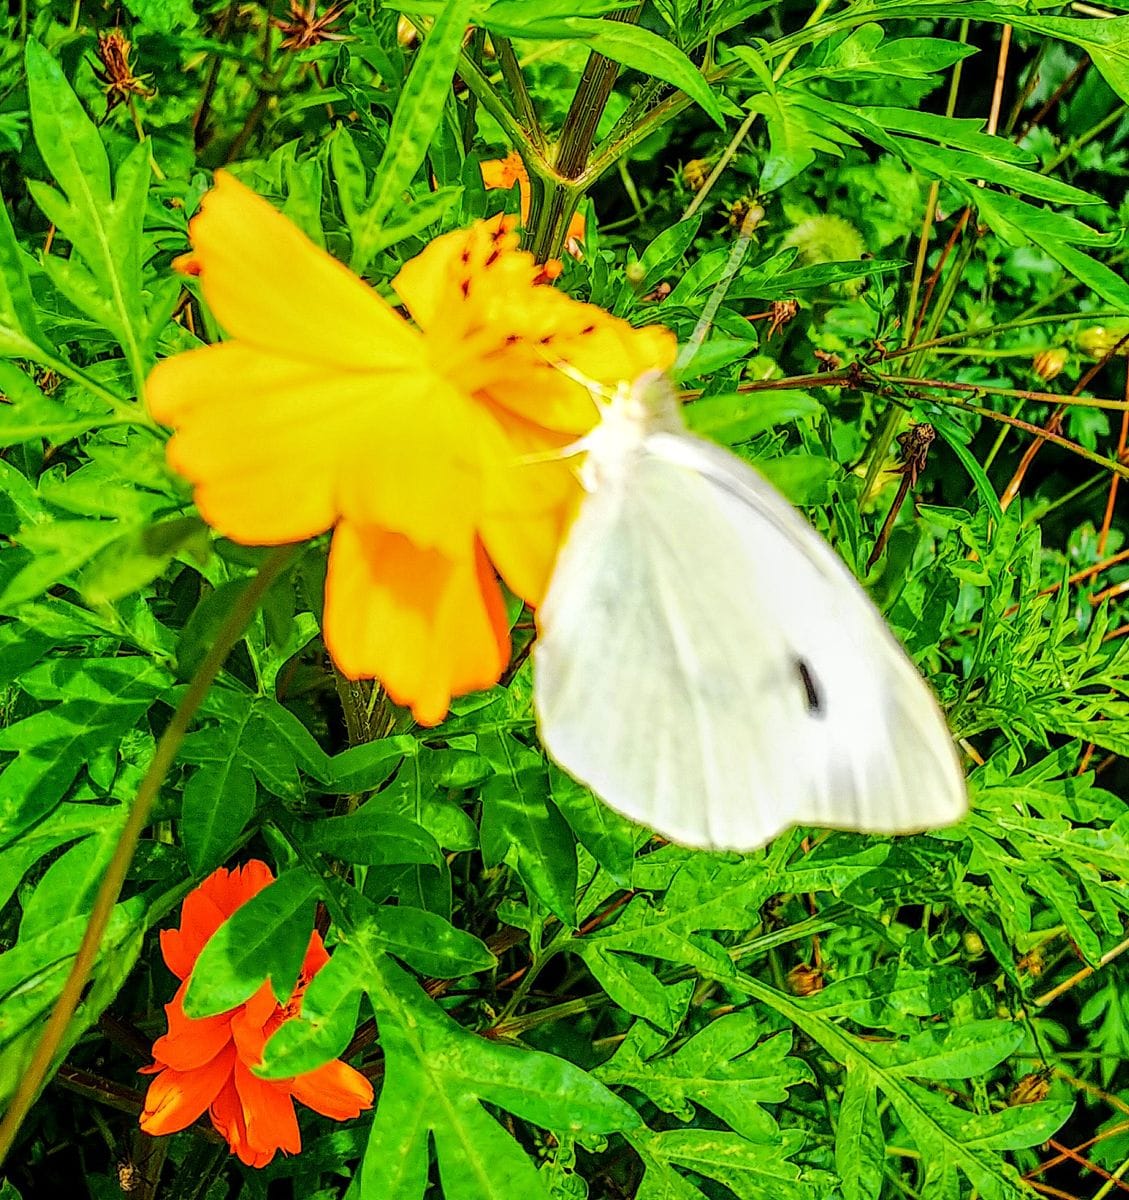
[[551, 1004]]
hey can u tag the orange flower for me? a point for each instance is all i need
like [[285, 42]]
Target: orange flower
[[208, 1063], [505, 172], [430, 449]]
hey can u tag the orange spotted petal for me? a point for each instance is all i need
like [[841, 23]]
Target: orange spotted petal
[[427, 626], [268, 284], [451, 267]]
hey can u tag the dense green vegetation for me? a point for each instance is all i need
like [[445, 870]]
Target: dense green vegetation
[[907, 213]]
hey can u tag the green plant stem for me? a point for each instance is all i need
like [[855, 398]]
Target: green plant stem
[[592, 92], [726, 157], [479, 85], [55, 1030], [880, 446], [1005, 327], [1084, 139], [747, 124], [522, 102], [554, 199]]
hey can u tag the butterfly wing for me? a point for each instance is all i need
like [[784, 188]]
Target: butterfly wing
[[710, 668]]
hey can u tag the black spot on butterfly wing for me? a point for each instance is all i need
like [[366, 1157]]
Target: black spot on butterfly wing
[[810, 684]]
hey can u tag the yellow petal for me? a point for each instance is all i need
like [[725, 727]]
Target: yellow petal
[[269, 284], [530, 498], [428, 627], [280, 448]]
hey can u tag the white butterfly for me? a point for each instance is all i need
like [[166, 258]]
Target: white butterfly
[[708, 666]]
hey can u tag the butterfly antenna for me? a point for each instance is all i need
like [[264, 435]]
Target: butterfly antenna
[[737, 255], [593, 387]]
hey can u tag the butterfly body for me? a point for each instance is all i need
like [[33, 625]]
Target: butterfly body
[[709, 667]]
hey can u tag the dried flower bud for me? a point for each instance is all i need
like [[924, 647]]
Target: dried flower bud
[[1049, 363], [803, 980], [1031, 1089], [745, 214], [1032, 963], [115, 72]]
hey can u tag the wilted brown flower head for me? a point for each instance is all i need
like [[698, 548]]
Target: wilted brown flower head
[[116, 73], [304, 28]]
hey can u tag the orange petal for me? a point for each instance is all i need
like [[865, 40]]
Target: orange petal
[[451, 267], [200, 917], [176, 1098], [316, 956], [335, 1090], [244, 883], [206, 908], [269, 284], [268, 1112], [190, 1043], [503, 172], [249, 1024], [427, 626], [228, 1120]]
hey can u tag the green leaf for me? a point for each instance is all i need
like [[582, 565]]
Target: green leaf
[[860, 1149], [417, 117], [327, 1021], [729, 1068], [958, 440], [522, 827], [1105, 41], [437, 1078], [20, 335], [751, 1170], [104, 700], [429, 942], [29, 414], [47, 959], [104, 226], [865, 53], [795, 134], [735, 417], [266, 938], [936, 1125], [218, 802], [59, 549], [630, 985], [375, 837]]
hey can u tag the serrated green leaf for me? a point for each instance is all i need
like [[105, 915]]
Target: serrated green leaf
[[103, 225], [860, 1148], [438, 1076]]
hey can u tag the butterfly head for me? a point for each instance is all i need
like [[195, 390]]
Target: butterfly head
[[628, 416]]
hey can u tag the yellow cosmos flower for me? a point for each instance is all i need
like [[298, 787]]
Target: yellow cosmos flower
[[427, 447]]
